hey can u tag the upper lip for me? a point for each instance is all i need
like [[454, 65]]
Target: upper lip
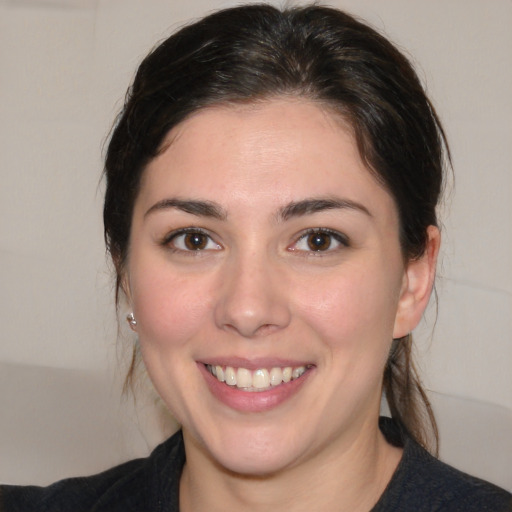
[[254, 363]]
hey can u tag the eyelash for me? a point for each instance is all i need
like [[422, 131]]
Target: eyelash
[[334, 236], [171, 237]]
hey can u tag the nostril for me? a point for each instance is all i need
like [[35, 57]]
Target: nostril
[[265, 329], [260, 331]]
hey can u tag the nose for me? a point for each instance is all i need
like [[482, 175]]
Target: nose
[[252, 299]]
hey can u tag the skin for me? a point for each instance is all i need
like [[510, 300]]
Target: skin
[[256, 290]]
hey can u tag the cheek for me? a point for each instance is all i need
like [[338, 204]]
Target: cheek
[[169, 309], [352, 310]]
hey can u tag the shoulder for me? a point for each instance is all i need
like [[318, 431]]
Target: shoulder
[[445, 488], [128, 487], [77, 494], [425, 484]]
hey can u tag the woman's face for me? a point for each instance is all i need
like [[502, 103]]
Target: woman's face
[[263, 251]]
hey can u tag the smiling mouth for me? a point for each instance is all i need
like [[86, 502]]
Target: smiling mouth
[[261, 379]]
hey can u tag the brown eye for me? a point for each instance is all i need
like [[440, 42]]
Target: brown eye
[[319, 241], [195, 241]]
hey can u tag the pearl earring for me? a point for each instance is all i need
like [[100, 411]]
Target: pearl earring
[[130, 317]]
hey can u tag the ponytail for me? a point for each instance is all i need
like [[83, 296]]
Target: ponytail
[[406, 398]]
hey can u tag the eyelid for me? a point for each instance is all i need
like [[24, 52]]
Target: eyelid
[[339, 237], [169, 237]]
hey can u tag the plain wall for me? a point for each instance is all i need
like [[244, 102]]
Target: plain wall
[[64, 69]]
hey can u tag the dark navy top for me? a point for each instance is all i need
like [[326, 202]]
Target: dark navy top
[[421, 483]]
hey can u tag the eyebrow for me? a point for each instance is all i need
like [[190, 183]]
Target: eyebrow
[[199, 208], [293, 209], [315, 205]]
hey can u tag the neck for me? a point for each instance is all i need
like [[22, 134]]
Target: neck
[[345, 478]]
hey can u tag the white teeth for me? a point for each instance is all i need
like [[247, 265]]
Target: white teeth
[[260, 379], [243, 378], [297, 372], [230, 376], [219, 373], [276, 376]]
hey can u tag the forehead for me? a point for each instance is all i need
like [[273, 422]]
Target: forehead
[[274, 151]]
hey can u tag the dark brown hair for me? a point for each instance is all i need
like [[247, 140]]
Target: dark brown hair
[[254, 52]]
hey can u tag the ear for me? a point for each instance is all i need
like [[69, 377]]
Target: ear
[[124, 285], [417, 285]]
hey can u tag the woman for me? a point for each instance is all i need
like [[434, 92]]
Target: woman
[[272, 184]]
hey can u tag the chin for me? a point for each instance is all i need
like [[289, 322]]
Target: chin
[[255, 451], [260, 464]]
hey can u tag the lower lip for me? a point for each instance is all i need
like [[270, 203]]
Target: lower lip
[[252, 401]]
